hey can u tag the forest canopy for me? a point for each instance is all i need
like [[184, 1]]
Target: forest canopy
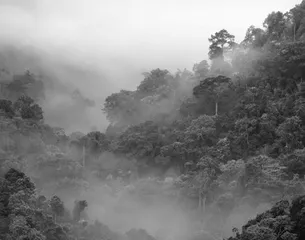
[[228, 133]]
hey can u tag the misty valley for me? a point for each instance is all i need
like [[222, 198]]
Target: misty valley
[[212, 153]]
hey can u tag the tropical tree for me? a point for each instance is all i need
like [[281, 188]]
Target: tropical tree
[[220, 42], [214, 89]]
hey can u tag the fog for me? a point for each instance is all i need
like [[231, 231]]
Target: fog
[[162, 216], [101, 46]]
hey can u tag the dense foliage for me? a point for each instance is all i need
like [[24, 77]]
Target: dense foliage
[[230, 133], [26, 215], [283, 221]]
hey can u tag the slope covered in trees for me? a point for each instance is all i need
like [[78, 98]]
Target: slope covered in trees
[[26, 215], [283, 221], [230, 133]]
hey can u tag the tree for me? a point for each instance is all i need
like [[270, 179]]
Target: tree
[[198, 182], [19, 229], [7, 107], [297, 215], [176, 152], [290, 133], [152, 81], [282, 221], [294, 162], [27, 109], [275, 25], [201, 130], [291, 62], [57, 207], [255, 37], [79, 207], [18, 181], [247, 140], [231, 172], [201, 69], [297, 15], [220, 42], [122, 107], [213, 88], [142, 142], [19, 206], [263, 180], [208, 167], [95, 142]]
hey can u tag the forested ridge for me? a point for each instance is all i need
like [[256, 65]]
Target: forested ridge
[[230, 133]]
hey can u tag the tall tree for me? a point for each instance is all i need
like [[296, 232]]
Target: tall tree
[[220, 42], [297, 15], [214, 89], [255, 37], [275, 25]]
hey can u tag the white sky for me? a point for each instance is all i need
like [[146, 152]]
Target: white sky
[[126, 37]]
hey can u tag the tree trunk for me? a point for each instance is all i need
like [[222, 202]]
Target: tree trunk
[[202, 209], [203, 204], [216, 108], [294, 30], [84, 156], [199, 202]]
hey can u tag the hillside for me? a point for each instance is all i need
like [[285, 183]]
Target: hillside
[[187, 155]]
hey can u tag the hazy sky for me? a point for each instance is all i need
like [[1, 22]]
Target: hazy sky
[[120, 39], [134, 35]]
